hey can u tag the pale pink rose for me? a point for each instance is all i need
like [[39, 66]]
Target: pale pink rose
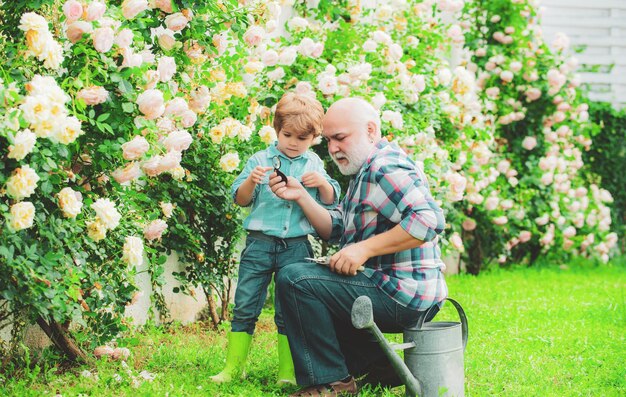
[[95, 11], [120, 353], [303, 88], [93, 95], [269, 58], [135, 148], [492, 92], [75, 30], [481, 52], [166, 39], [515, 66], [166, 125], [176, 107], [569, 232], [469, 224], [166, 68], [500, 220], [288, 56], [254, 35], [506, 76], [567, 244], [132, 8], [188, 118], [131, 59], [152, 79], [559, 116], [524, 236], [127, 174], [200, 99], [492, 203], [154, 230], [547, 178], [151, 167], [103, 39], [72, 10], [532, 94], [124, 38], [176, 22], [178, 140], [529, 143], [457, 242], [102, 351], [151, 103], [542, 220], [163, 5], [318, 49], [170, 161], [556, 78], [328, 85]]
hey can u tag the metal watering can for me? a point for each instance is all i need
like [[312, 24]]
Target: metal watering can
[[433, 357]]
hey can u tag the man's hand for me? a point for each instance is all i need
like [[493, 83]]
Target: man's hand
[[292, 190], [348, 260], [258, 173], [313, 179]]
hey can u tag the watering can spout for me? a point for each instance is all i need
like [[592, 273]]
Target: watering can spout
[[363, 318]]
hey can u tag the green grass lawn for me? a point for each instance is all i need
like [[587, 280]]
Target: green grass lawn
[[533, 332]]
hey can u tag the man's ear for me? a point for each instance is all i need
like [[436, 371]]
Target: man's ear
[[371, 130]]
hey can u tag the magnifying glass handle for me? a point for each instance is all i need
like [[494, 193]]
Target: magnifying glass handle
[[282, 176]]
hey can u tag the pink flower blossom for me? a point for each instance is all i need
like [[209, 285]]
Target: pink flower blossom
[[151, 104], [524, 236], [73, 10], [457, 242], [500, 220], [127, 174], [163, 5], [469, 224], [166, 68], [132, 8], [254, 35], [124, 38], [103, 39], [154, 230], [93, 95], [176, 22], [170, 161], [75, 30], [178, 140], [95, 11], [529, 143], [135, 148]]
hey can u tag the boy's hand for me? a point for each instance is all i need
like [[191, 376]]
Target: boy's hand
[[313, 179], [258, 173]]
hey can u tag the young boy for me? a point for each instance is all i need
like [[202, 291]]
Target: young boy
[[277, 229]]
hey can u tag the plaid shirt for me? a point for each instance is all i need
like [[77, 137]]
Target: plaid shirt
[[275, 216], [388, 190]]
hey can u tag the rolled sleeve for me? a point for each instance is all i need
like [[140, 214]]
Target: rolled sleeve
[[404, 198], [247, 170], [336, 217]]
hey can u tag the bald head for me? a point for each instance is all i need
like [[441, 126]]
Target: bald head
[[355, 111]]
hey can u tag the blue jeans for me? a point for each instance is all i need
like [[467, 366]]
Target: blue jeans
[[260, 259], [316, 306]]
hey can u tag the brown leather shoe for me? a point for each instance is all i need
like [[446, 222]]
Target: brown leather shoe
[[334, 389]]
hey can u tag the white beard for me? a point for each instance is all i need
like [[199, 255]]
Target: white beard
[[356, 159]]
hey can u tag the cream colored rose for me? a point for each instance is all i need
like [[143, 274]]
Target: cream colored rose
[[163, 5], [133, 251], [36, 109], [132, 8], [178, 140], [176, 21], [23, 143], [75, 30], [93, 95], [22, 183], [68, 130], [170, 161], [127, 174], [217, 133], [96, 230], [155, 229], [151, 103], [151, 166], [229, 162], [95, 10], [167, 208], [124, 38], [103, 39], [166, 68], [106, 212], [70, 202], [267, 134], [254, 35], [200, 99], [135, 148], [33, 21], [22, 215], [178, 173]]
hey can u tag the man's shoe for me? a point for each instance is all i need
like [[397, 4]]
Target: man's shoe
[[334, 389]]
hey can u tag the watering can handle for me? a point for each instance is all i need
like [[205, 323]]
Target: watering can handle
[[462, 316]]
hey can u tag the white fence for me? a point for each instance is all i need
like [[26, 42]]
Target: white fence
[[598, 26]]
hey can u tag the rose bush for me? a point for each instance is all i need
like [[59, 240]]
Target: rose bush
[[124, 124]]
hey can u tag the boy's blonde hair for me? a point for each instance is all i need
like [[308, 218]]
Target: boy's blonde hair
[[301, 114]]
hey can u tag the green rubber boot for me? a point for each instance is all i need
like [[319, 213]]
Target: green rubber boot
[[286, 373], [238, 346]]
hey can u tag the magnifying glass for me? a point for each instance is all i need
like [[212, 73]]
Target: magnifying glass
[[276, 164]]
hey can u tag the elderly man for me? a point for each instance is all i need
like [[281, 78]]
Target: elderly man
[[387, 222]]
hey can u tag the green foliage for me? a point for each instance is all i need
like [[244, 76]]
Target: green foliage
[[607, 159]]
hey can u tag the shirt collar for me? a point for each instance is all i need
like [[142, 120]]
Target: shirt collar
[[370, 159], [273, 151]]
